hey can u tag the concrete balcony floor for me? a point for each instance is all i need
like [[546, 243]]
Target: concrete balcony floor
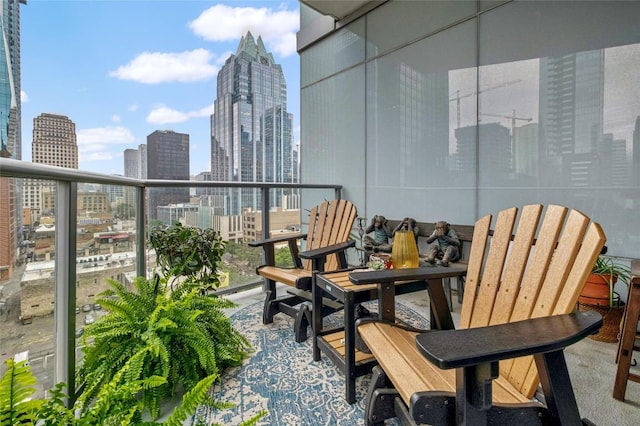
[[591, 366]]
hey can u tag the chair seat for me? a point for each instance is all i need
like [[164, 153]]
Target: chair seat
[[290, 276], [410, 372]]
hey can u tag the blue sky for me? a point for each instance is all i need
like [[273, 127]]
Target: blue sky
[[123, 69]]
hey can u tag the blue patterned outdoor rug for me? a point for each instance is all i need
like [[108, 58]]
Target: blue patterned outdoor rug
[[282, 378]]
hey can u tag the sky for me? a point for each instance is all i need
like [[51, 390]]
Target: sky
[[121, 69]]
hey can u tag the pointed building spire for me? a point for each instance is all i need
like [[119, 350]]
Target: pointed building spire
[[248, 45], [262, 51], [257, 51]]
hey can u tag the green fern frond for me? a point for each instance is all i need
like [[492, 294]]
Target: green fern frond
[[254, 420], [16, 387], [190, 401]]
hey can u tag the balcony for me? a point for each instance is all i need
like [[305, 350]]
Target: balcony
[[45, 315], [592, 364]]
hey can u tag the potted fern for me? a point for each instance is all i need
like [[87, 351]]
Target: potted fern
[[599, 294], [179, 331], [115, 403]]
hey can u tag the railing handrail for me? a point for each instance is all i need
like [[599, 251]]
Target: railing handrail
[[24, 169]]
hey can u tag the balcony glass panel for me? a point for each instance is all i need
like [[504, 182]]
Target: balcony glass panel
[[342, 50], [334, 134], [418, 18], [558, 118], [105, 249], [416, 154], [27, 308]]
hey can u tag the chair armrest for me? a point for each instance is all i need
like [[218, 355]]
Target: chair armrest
[[276, 240], [408, 274], [463, 348], [325, 251], [318, 256]]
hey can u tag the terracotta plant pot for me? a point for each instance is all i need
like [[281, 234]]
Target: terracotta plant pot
[[596, 290]]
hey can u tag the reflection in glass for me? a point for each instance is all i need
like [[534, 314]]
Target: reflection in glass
[[568, 129]]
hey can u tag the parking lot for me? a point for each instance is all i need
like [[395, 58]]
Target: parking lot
[[37, 338]]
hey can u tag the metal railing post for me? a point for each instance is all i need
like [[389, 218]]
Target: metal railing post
[[265, 213], [65, 285], [265, 227], [141, 232]]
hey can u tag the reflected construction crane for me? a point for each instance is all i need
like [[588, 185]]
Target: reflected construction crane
[[458, 97], [513, 119]]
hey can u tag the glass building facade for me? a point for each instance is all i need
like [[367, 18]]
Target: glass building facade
[[453, 110], [167, 158], [252, 136], [10, 135]]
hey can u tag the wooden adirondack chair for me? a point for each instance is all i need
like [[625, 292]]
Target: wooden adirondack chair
[[520, 296], [327, 240]]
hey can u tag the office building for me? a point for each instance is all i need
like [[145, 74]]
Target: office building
[[252, 136], [131, 159], [142, 161], [10, 136], [203, 191], [167, 158], [571, 109], [54, 144]]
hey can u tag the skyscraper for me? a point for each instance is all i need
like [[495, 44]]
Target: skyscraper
[[571, 102], [252, 138], [131, 169], [10, 135], [167, 158], [54, 143]]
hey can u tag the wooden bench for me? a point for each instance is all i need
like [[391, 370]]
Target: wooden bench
[[425, 229], [518, 302], [327, 240]]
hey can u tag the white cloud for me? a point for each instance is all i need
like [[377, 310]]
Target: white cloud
[[100, 143], [133, 107], [24, 97], [157, 67], [95, 156], [224, 23], [99, 135], [116, 118], [164, 115]]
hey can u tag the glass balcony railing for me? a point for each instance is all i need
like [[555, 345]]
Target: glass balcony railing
[[80, 229]]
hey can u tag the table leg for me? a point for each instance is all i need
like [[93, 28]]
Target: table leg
[[350, 347], [387, 301], [316, 315], [439, 313], [627, 343]]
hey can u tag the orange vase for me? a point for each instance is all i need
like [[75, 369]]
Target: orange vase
[[404, 253]]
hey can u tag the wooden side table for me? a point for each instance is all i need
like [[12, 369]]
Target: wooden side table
[[352, 287], [627, 345]]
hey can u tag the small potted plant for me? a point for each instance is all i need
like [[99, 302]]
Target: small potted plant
[[599, 294]]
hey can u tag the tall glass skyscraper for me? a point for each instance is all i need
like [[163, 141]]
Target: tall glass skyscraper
[[571, 118], [167, 156], [251, 130], [10, 134]]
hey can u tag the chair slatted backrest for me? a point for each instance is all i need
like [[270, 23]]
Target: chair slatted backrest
[[329, 223], [532, 267]]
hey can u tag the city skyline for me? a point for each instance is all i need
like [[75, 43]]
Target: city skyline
[[143, 76]]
